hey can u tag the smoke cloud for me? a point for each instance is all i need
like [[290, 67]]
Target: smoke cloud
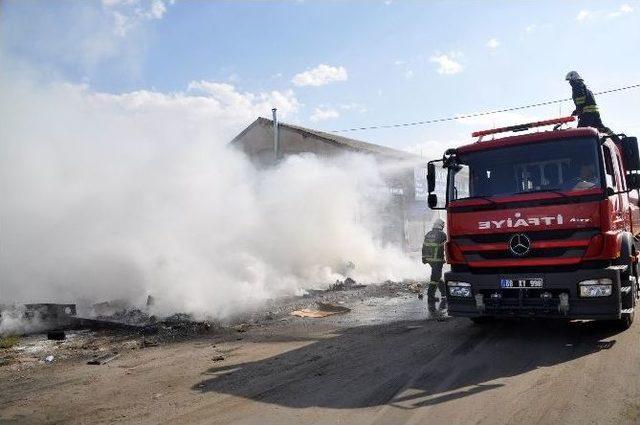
[[117, 196]]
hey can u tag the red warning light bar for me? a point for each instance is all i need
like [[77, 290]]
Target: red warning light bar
[[523, 127]]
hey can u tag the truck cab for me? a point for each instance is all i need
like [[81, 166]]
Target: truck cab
[[543, 224]]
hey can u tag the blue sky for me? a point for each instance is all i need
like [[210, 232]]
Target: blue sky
[[385, 61]]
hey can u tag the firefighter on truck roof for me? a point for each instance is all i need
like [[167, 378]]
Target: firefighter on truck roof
[[433, 254], [586, 107]]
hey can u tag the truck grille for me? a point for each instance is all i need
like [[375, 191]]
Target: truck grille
[[522, 301], [534, 236], [535, 253], [490, 250]]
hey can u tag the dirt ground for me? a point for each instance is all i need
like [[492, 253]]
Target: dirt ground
[[385, 362]]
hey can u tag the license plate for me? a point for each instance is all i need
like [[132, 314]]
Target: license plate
[[535, 282]]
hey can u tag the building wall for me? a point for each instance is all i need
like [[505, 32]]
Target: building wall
[[404, 227]]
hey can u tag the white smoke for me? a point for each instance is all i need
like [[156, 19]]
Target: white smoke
[[108, 196], [15, 321]]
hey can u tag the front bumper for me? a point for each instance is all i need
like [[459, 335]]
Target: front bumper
[[520, 302]]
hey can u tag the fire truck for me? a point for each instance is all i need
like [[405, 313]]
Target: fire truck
[[541, 224]]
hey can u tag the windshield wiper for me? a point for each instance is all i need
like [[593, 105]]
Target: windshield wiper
[[479, 197], [554, 190]]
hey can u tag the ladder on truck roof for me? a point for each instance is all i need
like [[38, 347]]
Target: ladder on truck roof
[[522, 127]]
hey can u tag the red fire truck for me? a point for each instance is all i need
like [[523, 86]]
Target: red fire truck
[[542, 224]]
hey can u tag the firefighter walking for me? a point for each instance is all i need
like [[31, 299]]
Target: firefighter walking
[[433, 254], [586, 107]]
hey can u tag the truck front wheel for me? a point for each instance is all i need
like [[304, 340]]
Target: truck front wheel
[[625, 321]]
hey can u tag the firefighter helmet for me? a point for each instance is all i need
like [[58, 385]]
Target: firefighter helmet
[[438, 224], [573, 75]]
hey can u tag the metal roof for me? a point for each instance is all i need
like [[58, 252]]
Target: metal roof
[[351, 144]]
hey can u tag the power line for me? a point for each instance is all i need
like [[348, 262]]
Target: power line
[[477, 114]]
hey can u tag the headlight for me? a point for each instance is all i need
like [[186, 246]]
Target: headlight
[[596, 288], [459, 289]]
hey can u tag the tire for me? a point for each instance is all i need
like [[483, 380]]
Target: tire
[[625, 321]]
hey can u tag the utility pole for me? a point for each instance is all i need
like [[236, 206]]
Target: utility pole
[[276, 136]]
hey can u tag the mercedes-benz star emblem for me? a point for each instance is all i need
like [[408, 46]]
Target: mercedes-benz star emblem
[[519, 245]]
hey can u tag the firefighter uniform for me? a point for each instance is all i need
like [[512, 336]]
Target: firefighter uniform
[[586, 107], [433, 254]]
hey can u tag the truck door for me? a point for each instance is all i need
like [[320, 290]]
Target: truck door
[[614, 180], [629, 198]]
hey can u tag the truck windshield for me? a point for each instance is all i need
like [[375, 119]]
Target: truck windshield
[[560, 165]]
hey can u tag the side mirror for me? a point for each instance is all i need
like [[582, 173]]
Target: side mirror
[[432, 200], [431, 177], [630, 156], [633, 181]]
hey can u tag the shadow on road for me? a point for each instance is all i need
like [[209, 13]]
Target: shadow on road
[[437, 361]]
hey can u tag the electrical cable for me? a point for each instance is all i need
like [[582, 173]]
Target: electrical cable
[[478, 114]]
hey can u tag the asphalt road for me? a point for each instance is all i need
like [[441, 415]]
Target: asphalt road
[[353, 370]]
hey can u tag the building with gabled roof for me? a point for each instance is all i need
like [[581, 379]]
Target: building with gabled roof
[[257, 142], [406, 219]]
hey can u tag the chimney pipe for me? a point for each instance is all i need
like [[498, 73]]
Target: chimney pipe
[[276, 138]]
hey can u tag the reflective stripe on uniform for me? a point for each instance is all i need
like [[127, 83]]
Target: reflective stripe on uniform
[[580, 100], [434, 257], [590, 108]]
